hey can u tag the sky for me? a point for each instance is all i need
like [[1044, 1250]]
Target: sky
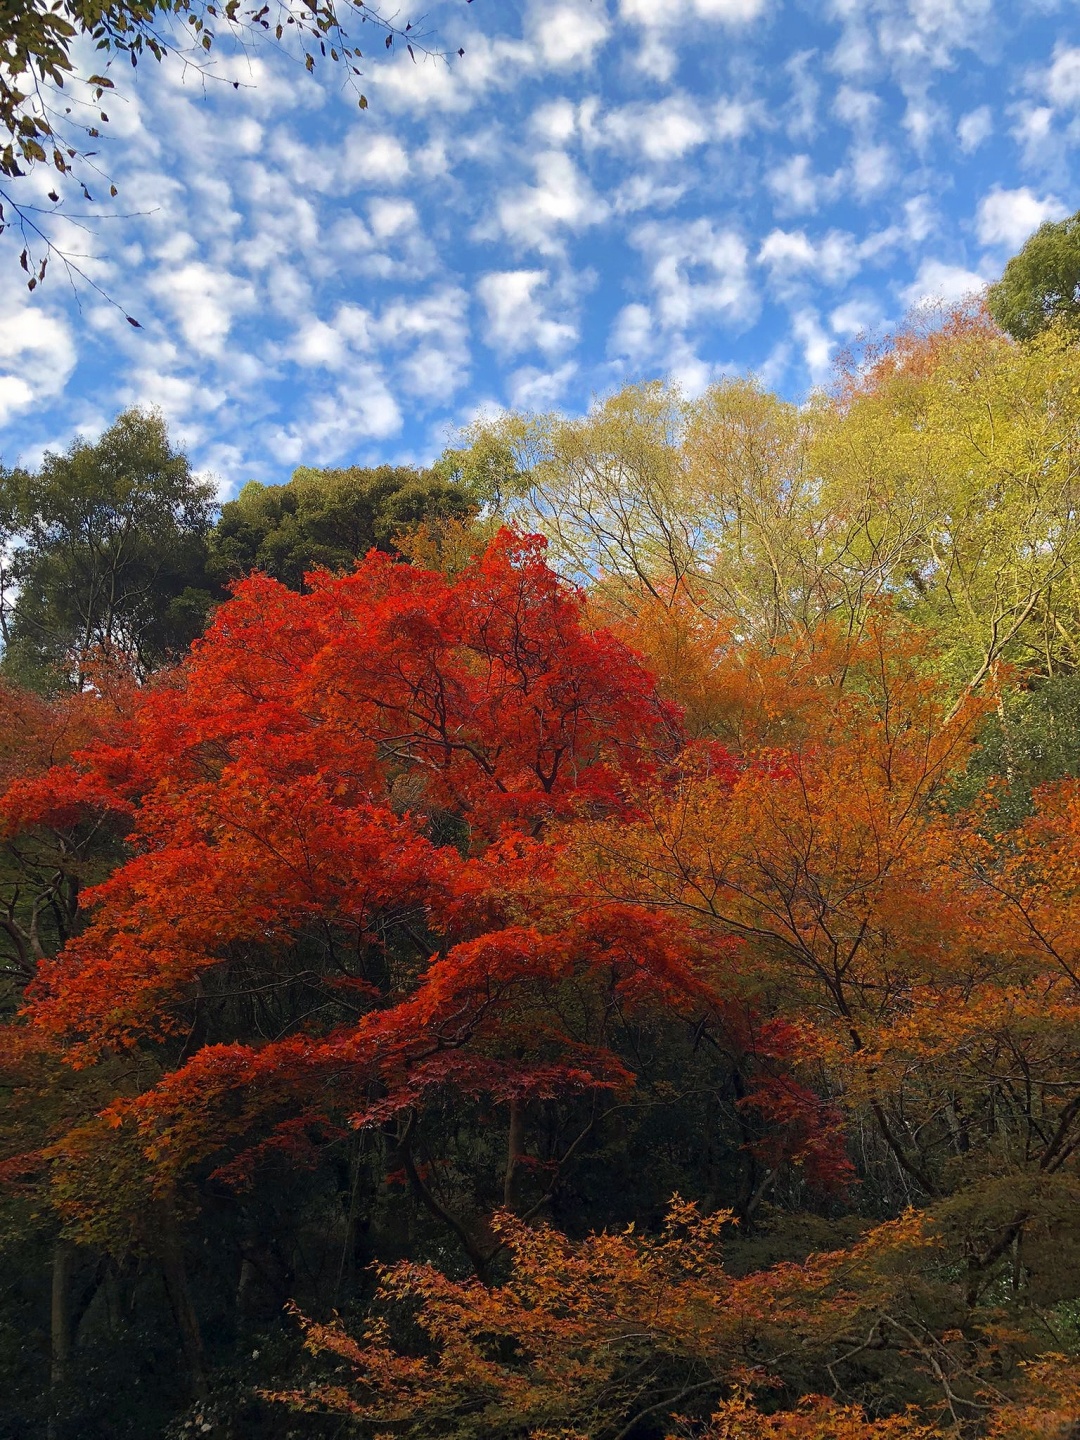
[[598, 192]]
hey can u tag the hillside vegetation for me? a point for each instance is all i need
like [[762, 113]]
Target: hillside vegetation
[[582, 941]]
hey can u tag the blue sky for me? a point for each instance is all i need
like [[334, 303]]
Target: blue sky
[[599, 191]]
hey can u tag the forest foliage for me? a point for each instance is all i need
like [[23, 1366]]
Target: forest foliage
[[581, 941]]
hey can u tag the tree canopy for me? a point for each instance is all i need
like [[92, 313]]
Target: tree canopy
[[106, 555], [329, 519], [616, 983], [1041, 284]]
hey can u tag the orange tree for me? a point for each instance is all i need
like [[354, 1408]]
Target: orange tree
[[627, 1334], [929, 960]]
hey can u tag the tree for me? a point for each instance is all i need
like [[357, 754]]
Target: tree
[[43, 870], [608, 490], [940, 474], [822, 852], [653, 1336], [971, 441], [108, 558], [932, 957], [617, 1335], [330, 519], [1041, 284], [339, 911], [433, 922]]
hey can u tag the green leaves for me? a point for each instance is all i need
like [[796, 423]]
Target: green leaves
[[108, 535], [1041, 285]]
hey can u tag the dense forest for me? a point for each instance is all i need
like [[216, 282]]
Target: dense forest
[[579, 942]]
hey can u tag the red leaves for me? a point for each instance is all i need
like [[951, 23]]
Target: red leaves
[[800, 1129], [293, 791]]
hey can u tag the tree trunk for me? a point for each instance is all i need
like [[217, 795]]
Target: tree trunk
[[60, 1327], [515, 1151], [183, 1308]]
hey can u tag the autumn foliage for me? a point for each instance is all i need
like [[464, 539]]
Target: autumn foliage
[[444, 923]]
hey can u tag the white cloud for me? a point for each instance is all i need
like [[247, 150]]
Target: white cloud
[[816, 345], [788, 254], [1008, 217], [333, 423], [919, 218], [632, 334], [1031, 130], [788, 250], [15, 395], [562, 198], [434, 330], [660, 21], [795, 185], [729, 12], [517, 317], [872, 170], [974, 127], [351, 236], [392, 218], [938, 281], [320, 344], [687, 369], [855, 107], [1063, 77], [922, 119], [453, 83], [665, 13], [423, 339], [910, 35], [854, 317], [696, 271], [535, 389], [554, 122], [664, 131], [315, 282], [226, 467], [646, 192], [184, 400], [373, 159], [732, 119], [855, 53], [37, 357], [800, 113], [204, 301], [568, 33]]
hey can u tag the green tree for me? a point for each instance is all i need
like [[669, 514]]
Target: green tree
[[1041, 284], [106, 555], [329, 519]]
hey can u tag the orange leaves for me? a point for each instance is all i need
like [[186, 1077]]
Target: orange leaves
[[594, 1336], [815, 1419], [410, 846], [1049, 1405], [822, 847]]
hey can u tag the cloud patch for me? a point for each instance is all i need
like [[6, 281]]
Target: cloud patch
[[1007, 217]]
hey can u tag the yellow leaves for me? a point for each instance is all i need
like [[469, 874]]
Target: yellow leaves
[[970, 442], [943, 477]]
